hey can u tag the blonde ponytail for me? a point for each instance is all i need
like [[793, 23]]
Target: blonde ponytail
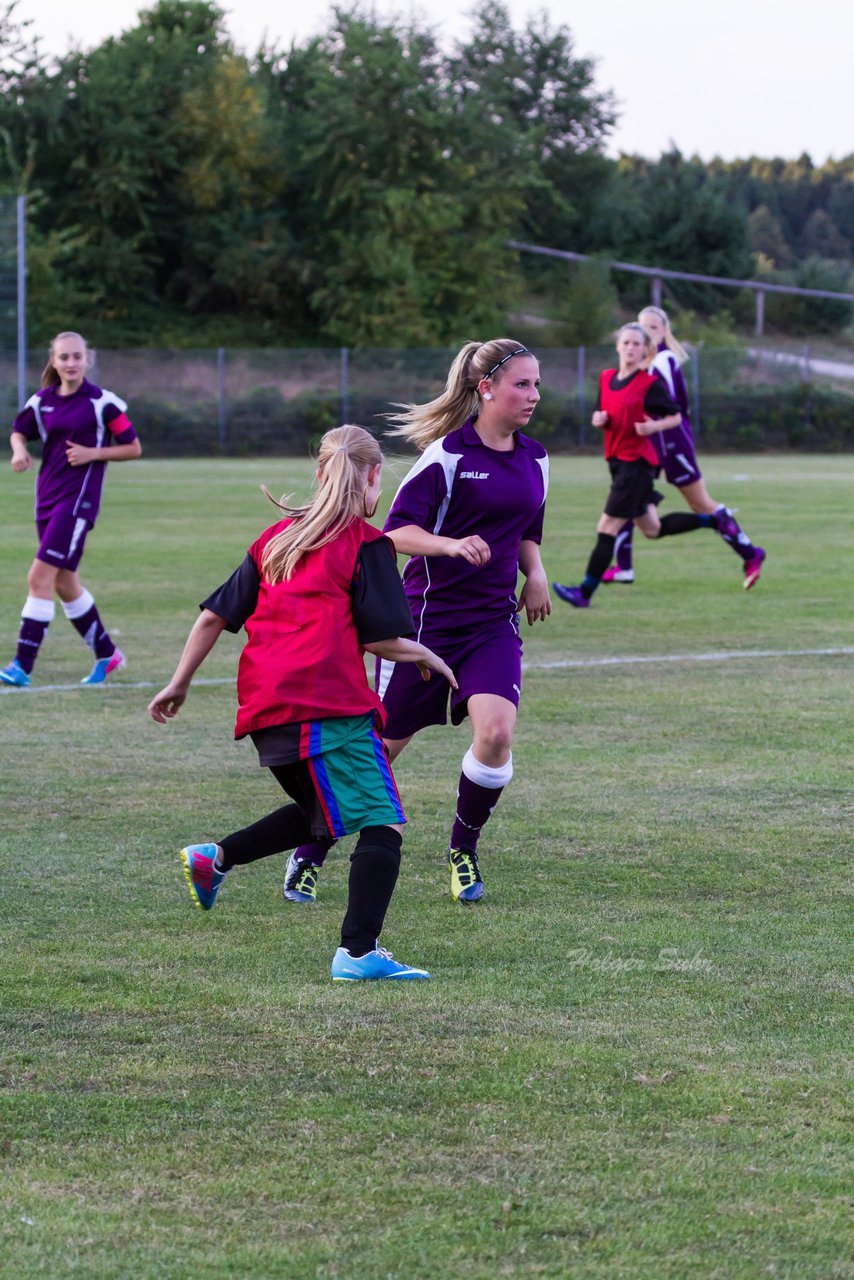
[[345, 455], [423, 423], [669, 341]]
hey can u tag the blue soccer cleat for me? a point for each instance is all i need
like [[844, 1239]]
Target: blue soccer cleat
[[203, 880], [376, 964], [103, 667], [466, 881], [572, 595], [15, 674]]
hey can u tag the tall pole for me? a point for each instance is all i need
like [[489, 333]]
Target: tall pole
[[22, 301], [345, 384]]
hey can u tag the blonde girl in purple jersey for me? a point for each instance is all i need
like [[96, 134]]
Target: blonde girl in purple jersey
[[470, 516], [678, 461], [75, 420]]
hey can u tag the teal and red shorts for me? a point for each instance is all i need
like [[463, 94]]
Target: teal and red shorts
[[337, 771]]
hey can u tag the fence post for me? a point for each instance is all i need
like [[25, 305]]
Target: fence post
[[22, 302], [345, 384], [760, 312], [220, 397], [695, 388], [582, 404], [805, 367], [656, 291]]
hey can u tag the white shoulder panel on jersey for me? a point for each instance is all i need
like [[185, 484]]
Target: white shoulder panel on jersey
[[35, 404], [664, 362], [99, 404], [436, 455], [544, 467]]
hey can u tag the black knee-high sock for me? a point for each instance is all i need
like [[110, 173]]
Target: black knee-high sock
[[374, 865], [600, 557], [684, 522], [283, 829]]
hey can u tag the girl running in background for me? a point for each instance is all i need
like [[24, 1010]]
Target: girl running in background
[[678, 460], [314, 592], [82, 428], [628, 399], [470, 516]]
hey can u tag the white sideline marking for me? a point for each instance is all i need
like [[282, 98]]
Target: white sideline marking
[[726, 655]]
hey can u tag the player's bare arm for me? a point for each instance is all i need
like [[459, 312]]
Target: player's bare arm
[[21, 458], [534, 597], [412, 540], [650, 425], [80, 455], [400, 649], [207, 629]]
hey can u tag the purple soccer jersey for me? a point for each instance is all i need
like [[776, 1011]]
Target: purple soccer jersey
[[461, 487], [86, 418], [675, 448]]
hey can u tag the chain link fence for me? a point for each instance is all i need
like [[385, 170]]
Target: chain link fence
[[233, 402]]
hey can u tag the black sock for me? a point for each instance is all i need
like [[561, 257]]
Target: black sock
[[374, 866], [682, 522], [281, 830], [600, 557]]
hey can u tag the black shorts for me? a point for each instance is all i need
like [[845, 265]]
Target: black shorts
[[632, 489]]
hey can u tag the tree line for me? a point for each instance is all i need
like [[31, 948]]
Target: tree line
[[360, 187]]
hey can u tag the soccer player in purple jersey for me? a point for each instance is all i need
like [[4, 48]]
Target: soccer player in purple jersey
[[678, 460], [470, 517], [82, 428]]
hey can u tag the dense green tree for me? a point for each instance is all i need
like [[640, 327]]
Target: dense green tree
[[529, 103], [766, 239], [400, 225], [361, 187]]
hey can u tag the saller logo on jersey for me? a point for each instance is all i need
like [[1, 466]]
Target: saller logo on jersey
[[474, 475]]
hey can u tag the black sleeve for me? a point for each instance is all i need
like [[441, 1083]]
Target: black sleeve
[[658, 402], [236, 599], [380, 607]]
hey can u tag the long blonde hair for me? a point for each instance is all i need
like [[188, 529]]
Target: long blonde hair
[[424, 423], [669, 341], [345, 455], [50, 375]]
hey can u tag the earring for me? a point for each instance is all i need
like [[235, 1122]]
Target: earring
[[487, 395]]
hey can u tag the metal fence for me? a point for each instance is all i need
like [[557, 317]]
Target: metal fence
[[279, 401]]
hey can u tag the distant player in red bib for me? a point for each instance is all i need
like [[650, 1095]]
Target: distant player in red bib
[[470, 516], [82, 428], [677, 460], [315, 592], [633, 404]]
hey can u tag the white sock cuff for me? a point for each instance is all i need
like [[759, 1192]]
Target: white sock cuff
[[37, 609], [76, 608], [485, 775]]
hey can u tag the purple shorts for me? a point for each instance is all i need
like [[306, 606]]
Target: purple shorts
[[488, 661], [62, 537], [676, 456]]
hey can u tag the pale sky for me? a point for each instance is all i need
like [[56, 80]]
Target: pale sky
[[733, 78]]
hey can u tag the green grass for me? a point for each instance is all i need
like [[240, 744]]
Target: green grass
[[633, 1059]]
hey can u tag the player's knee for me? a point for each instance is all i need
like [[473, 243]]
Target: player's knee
[[385, 841], [41, 577], [488, 772]]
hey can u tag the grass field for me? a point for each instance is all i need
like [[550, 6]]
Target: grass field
[[634, 1057]]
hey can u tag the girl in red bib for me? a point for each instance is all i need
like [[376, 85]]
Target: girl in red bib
[[315, 593], [632, 405]]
